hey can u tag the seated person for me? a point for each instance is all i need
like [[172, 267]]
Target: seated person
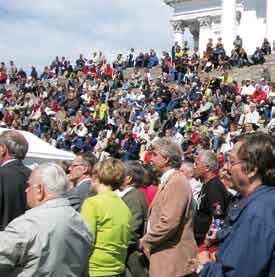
[[258, 56], [266, 47]]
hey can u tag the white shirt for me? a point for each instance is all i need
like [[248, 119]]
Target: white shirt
[[252, 117], [120, 193], [248, 90], [138, 129], [9, 161], [266, 89], [218, 131], [165, 176], [196, 188], [178, 138]]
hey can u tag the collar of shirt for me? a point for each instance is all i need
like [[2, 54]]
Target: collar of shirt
[[124, 192], [7, 162], [53, 203], [82, 181], [165, 176]]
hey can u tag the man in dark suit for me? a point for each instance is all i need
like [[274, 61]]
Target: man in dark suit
[[13, 176], [136, 202], [79, 175]]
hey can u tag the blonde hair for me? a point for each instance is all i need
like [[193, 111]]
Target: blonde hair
[[110, 172]]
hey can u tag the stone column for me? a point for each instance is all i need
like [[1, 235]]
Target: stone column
[[194, 28], [205, 32], [228, 24], [270, 22], [178, 29]]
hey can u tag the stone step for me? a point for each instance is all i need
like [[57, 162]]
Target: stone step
[[252, 72]]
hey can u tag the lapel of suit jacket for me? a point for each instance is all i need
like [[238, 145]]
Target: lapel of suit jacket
[[160, 189]]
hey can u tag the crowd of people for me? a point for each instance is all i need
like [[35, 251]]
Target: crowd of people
[[94, 107], [172, 176], [202, 219]]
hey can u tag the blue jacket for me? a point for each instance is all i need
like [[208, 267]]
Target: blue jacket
[[249, 240]]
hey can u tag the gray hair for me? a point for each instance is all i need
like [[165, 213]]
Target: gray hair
[[188, 165], [135, 170], [210, 159], [169, 149], [53, 178], [188, 169], [90, 159], [16, 144]]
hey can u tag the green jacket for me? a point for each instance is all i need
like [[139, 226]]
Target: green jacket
[[109, 220]]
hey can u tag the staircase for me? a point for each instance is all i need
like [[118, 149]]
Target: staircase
[[155, 72], [253, 72]]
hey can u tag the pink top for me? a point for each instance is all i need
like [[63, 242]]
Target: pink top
[[149, 193]]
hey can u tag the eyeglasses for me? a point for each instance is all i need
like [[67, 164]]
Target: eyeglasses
[[74, 165], [233, 163]]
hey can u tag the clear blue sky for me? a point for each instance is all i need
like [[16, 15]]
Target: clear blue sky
[[33, 32]]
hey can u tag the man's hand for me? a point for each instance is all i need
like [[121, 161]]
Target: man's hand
[[211, 236], [206, 257], [143, 248], [201, 259]]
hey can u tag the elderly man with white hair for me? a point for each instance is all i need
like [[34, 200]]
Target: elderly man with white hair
[[50, 239], [188, 169], [253, 115]]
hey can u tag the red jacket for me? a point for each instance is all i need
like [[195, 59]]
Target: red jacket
[[258, 96], [108, 71], [3, 76]]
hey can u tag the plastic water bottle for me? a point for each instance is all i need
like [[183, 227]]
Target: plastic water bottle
[[218, 217]]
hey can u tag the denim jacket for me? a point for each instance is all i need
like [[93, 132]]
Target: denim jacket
[[249, 238]]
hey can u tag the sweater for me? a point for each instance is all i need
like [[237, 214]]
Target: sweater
[[109, 220]]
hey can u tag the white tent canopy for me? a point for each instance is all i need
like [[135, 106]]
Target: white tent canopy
[[41, 151]]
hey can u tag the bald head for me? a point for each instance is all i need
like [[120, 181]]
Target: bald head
[[15, 143]]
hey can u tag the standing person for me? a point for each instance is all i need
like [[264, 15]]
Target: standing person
[[169, 241], [212, 193], [80, 171], [149, 187], [136, 202], [13, 176], [188, 169], [50, 239], [247, 244], [109, 220], [173, 51]]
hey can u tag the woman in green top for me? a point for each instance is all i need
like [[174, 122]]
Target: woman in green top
[[109, 219]]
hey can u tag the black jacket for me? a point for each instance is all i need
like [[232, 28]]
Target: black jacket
[[13, 183], [211, 193]]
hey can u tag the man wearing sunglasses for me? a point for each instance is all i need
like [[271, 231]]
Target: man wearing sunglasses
[[79, 175]]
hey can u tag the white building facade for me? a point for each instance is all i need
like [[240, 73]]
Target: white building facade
[[198, 20]]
